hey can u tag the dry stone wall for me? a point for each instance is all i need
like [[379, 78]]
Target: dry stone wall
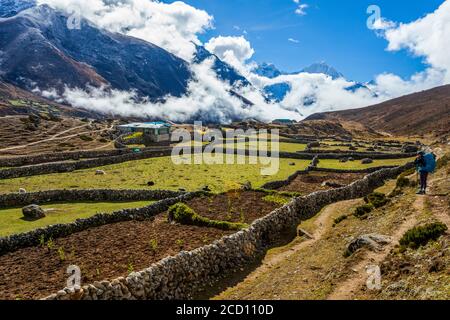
[[97, 195], [57, 167], [182, 276], [61, 156]]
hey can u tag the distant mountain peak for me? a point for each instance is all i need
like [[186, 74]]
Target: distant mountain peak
[[324, 68], [268, 70]]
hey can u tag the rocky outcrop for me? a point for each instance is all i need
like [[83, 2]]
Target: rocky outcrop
[[33, 212]]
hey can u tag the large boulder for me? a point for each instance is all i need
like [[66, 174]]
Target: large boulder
[[373, 242], [33, 212]]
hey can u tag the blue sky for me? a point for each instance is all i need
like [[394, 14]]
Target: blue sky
[[331, 31]]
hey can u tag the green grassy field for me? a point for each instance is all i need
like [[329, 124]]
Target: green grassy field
[[11, 221], [357, 165], [162, 171], [284, 146]]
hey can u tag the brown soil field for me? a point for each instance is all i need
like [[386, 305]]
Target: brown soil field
[[312, 182], [115, 250], [234, 206]]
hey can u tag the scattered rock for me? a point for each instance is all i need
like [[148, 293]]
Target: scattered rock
[[343, 160], [366, 161], [351, 159], [150, 183], [374, 242], [292, 164], [22, 191], [33, 212], [302, 233], [247, 186], [332, 184], [100, 173], [206, 189], [182, 190]]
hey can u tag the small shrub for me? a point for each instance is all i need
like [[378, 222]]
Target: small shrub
[[420, 236], [50, 244], [130, 267], [376, 199], [363, 210], [340, 219], [277, 198], [61, 254], [133, 136], [180, 243], [42, 241], [181, 213], [153, 245]]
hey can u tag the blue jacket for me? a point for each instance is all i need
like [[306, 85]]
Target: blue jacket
[[430, 163]]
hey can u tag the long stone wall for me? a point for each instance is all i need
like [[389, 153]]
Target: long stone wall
[[77, 165], [63, 156], [274, 185], [182, 276], [97, 195], [32, 238]]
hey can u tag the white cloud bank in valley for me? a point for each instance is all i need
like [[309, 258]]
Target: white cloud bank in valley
[[176, 27], [208, 98]]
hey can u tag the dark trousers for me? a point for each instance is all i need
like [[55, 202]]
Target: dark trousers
[[423, 180]]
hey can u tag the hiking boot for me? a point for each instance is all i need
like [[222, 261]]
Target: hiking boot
[[420, 192]]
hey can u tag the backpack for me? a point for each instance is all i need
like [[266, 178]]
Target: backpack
[[430, 163]]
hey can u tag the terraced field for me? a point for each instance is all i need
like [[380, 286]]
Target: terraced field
[[162, 171], [11, 220], [357, 165]]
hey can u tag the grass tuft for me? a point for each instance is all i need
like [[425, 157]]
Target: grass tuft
[[183, 214]]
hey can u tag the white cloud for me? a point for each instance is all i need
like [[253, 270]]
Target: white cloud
[[174, 27], [293, 40], [235, 51], [208, 99], [428, 37], [301, 8]]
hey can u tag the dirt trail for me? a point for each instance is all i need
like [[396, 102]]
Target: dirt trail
[[321, 224], [346, 289], [58, 137]]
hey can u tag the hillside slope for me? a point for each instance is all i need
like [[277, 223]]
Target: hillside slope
[[57, 56], [419, 113]]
